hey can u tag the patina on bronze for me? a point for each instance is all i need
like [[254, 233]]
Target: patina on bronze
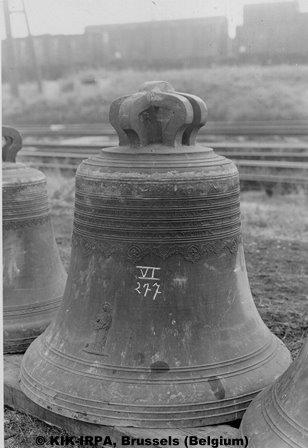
[[33, 275], [278, 417], [158, 327]]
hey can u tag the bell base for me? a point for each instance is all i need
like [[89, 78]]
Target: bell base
[[83, 395], [15, 399], [119, 422]]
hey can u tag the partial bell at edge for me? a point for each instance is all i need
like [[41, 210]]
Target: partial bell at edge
[[33, 275]]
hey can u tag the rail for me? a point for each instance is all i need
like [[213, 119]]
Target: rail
[[292, 152], [282, 161], [246, 128], [262, 171]]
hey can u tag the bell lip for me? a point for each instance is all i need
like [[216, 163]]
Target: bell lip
[[96, 410]]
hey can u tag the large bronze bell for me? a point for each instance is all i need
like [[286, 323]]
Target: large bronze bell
[[158, 327], [278, 417], [33, 275]]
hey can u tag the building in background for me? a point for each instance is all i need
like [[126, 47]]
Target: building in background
[[271, 33], [170, 43]]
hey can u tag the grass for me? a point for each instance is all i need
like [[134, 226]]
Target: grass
[[231, 94], [21, 430], [275, 232], [61, 193], [280, 217]]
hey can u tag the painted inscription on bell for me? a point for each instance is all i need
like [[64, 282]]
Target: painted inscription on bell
[[148, 283]]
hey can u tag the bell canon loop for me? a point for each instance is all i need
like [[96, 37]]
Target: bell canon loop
[[33, 275], [278, 417], [158, 327]]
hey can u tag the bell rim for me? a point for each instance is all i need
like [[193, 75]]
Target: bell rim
[[193, 417]]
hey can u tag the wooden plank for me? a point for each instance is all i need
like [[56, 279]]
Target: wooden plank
[[14, 398]]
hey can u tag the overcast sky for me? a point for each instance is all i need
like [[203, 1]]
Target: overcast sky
[[71, 16]]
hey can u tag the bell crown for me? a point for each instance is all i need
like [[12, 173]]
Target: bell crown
[[157, 114]]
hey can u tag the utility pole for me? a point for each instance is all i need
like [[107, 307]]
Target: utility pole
[[12, 72], [36, 68]]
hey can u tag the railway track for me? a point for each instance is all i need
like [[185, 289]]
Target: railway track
[[247, 128], [62, 147], [263, 178], [274, 167], [235, 151]]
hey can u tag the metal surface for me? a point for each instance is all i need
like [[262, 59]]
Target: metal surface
[[278, 417], [33, 275], [158, 327]]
